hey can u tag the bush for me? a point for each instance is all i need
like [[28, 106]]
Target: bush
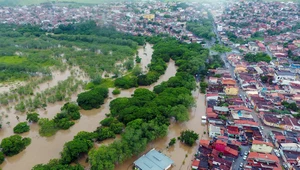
[[126, 82], [104, 133], [72, 110], [116, 91], [107, 121], [93, 98], [2, 158], [21, 128], [203, 86], [33, 117], [188, 137], [172, 142], [73, 149], [14, 144], [117, 128], [138, 59], [48, 127]]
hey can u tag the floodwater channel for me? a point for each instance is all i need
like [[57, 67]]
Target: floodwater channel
[[42, 149]]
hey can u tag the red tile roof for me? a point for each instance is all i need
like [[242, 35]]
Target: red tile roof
[[255, 155], [196, 163], [239, 107], [220, 145], [212, 95], [228, 82], [231, 151], [211, 115], [245, 122], [204, 143], [233, 130]]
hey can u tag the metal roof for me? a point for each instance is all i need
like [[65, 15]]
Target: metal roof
[[153, 160]]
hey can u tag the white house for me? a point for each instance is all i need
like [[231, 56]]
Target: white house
[[214, 131]]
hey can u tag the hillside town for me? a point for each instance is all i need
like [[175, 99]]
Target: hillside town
[[253, 101]]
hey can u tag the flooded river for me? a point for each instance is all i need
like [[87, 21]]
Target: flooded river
[[42, 149]]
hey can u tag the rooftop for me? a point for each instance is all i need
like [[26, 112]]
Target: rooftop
[[221, 109], [265, 156], [258, 142], [153, 160], [284, 73]]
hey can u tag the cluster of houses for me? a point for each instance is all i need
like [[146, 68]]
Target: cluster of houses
[[243, 99], [141, 18], [272, 27], [289, 147], [232, 120], [222, 152], [266, 86]]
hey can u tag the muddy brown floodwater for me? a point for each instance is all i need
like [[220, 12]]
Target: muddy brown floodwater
[[42, 149], [145, 54]]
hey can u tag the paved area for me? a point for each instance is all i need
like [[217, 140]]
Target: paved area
[[239, 160]]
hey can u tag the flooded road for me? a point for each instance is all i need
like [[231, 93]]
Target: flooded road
[[145, 54], [42, 149]]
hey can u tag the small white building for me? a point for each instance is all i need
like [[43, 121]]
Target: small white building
[[284, 75], [220, 28], [214, 131]]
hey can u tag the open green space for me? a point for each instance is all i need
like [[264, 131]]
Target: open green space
[[12, 59]]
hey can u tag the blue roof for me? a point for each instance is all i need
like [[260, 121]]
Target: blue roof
[[153, 160]]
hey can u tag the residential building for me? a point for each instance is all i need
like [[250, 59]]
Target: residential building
[[153, 160], [231, 91], [262, 160], [214, 131], [261, 146]]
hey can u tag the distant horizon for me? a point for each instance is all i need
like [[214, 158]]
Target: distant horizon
[[34, 2]]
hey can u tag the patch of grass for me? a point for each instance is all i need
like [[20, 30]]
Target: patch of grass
[[106, 83], [12, 60], [256, 38]]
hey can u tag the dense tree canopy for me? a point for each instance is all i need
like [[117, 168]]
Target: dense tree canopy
[[14, 144], [257, 57], [202, 28], [93, 98], [21, 127], [221, 48], [188, 137], [54, 164], [62, 120], [33, 117], [74, 148]]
